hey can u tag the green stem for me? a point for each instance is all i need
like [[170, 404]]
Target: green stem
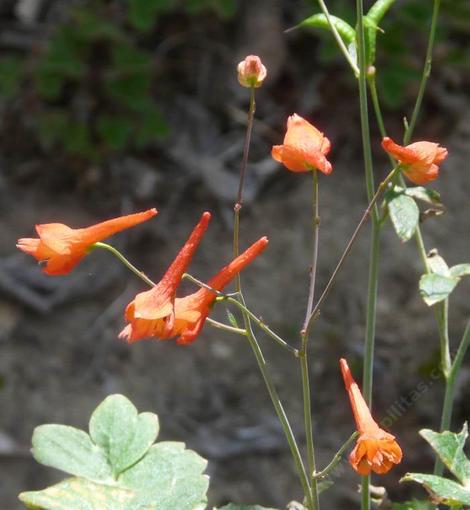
[[426, 72], [304, 479], [123, 259], [225, 327], [338, 38], [337, 457], [375, 235], [303, 354], [260, 323], [238, 205], [450, 390]]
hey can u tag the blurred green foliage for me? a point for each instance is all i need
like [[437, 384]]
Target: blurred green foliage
[[401, 46], [93, 81]]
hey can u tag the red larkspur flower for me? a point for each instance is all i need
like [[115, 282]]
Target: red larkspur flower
[[375, 450], [63, 247], [190, 312]]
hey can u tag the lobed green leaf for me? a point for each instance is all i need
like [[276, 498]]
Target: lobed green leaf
[[435, 287], [404, 214], [447, 491]]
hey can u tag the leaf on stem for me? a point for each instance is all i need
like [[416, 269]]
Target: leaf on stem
[[118, 467], [450, 449], [404, 213]]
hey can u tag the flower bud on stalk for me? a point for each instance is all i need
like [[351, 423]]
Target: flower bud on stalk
[[251, 72]]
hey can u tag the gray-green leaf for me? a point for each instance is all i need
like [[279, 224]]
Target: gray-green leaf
[[460, 270], [125, 435], [231, 506], [404, 214], [79, 494], [169, 477], [450, 448], [450, 492], [70, 450], [435, 287]]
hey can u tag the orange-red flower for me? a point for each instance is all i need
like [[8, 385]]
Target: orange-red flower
[[304, 148], [375, 450], [157, 305], [190, 312], [63, 247], [420, 159]]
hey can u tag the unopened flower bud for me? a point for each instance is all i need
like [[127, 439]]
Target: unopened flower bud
[[251, 72]]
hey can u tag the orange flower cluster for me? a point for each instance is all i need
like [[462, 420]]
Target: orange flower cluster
[[375, 450], [420, 159], [154, 313]]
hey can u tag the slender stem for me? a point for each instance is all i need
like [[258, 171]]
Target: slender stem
[[225, 327], [303, 354], [126, 262], [426, 72], [375, 236], [338, 38], [337, 457], [450, 391], [329, 285], [304, 479], [260, 323], [316, 229]]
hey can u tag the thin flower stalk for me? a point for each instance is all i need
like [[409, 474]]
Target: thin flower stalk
[[247, 321], [375, 233], [303, 355], [336, 458]]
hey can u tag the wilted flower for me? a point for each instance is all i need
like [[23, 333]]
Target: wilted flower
[[63, 247], [305, 147], [375, 450], [420, 160], [251, 72]]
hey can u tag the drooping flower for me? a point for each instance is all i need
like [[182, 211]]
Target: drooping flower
[[375, 450], [63, 247], [251, 72], [305, 147], [157, 305], [420, 160], [190, 312]]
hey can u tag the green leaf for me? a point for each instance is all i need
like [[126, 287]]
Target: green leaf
[[404, 214], [165, 476], [131, 90], [169, 477], [450, 448], [79, 494], [448, 491], [124, 435], [345, 30], [143, 13], [70, 450], [231, 506], [51, 125], [151, 126], [435, 287], [11, 73], [232, 319], [378, 10], [430, 196], [460, 270], [114, 130]]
